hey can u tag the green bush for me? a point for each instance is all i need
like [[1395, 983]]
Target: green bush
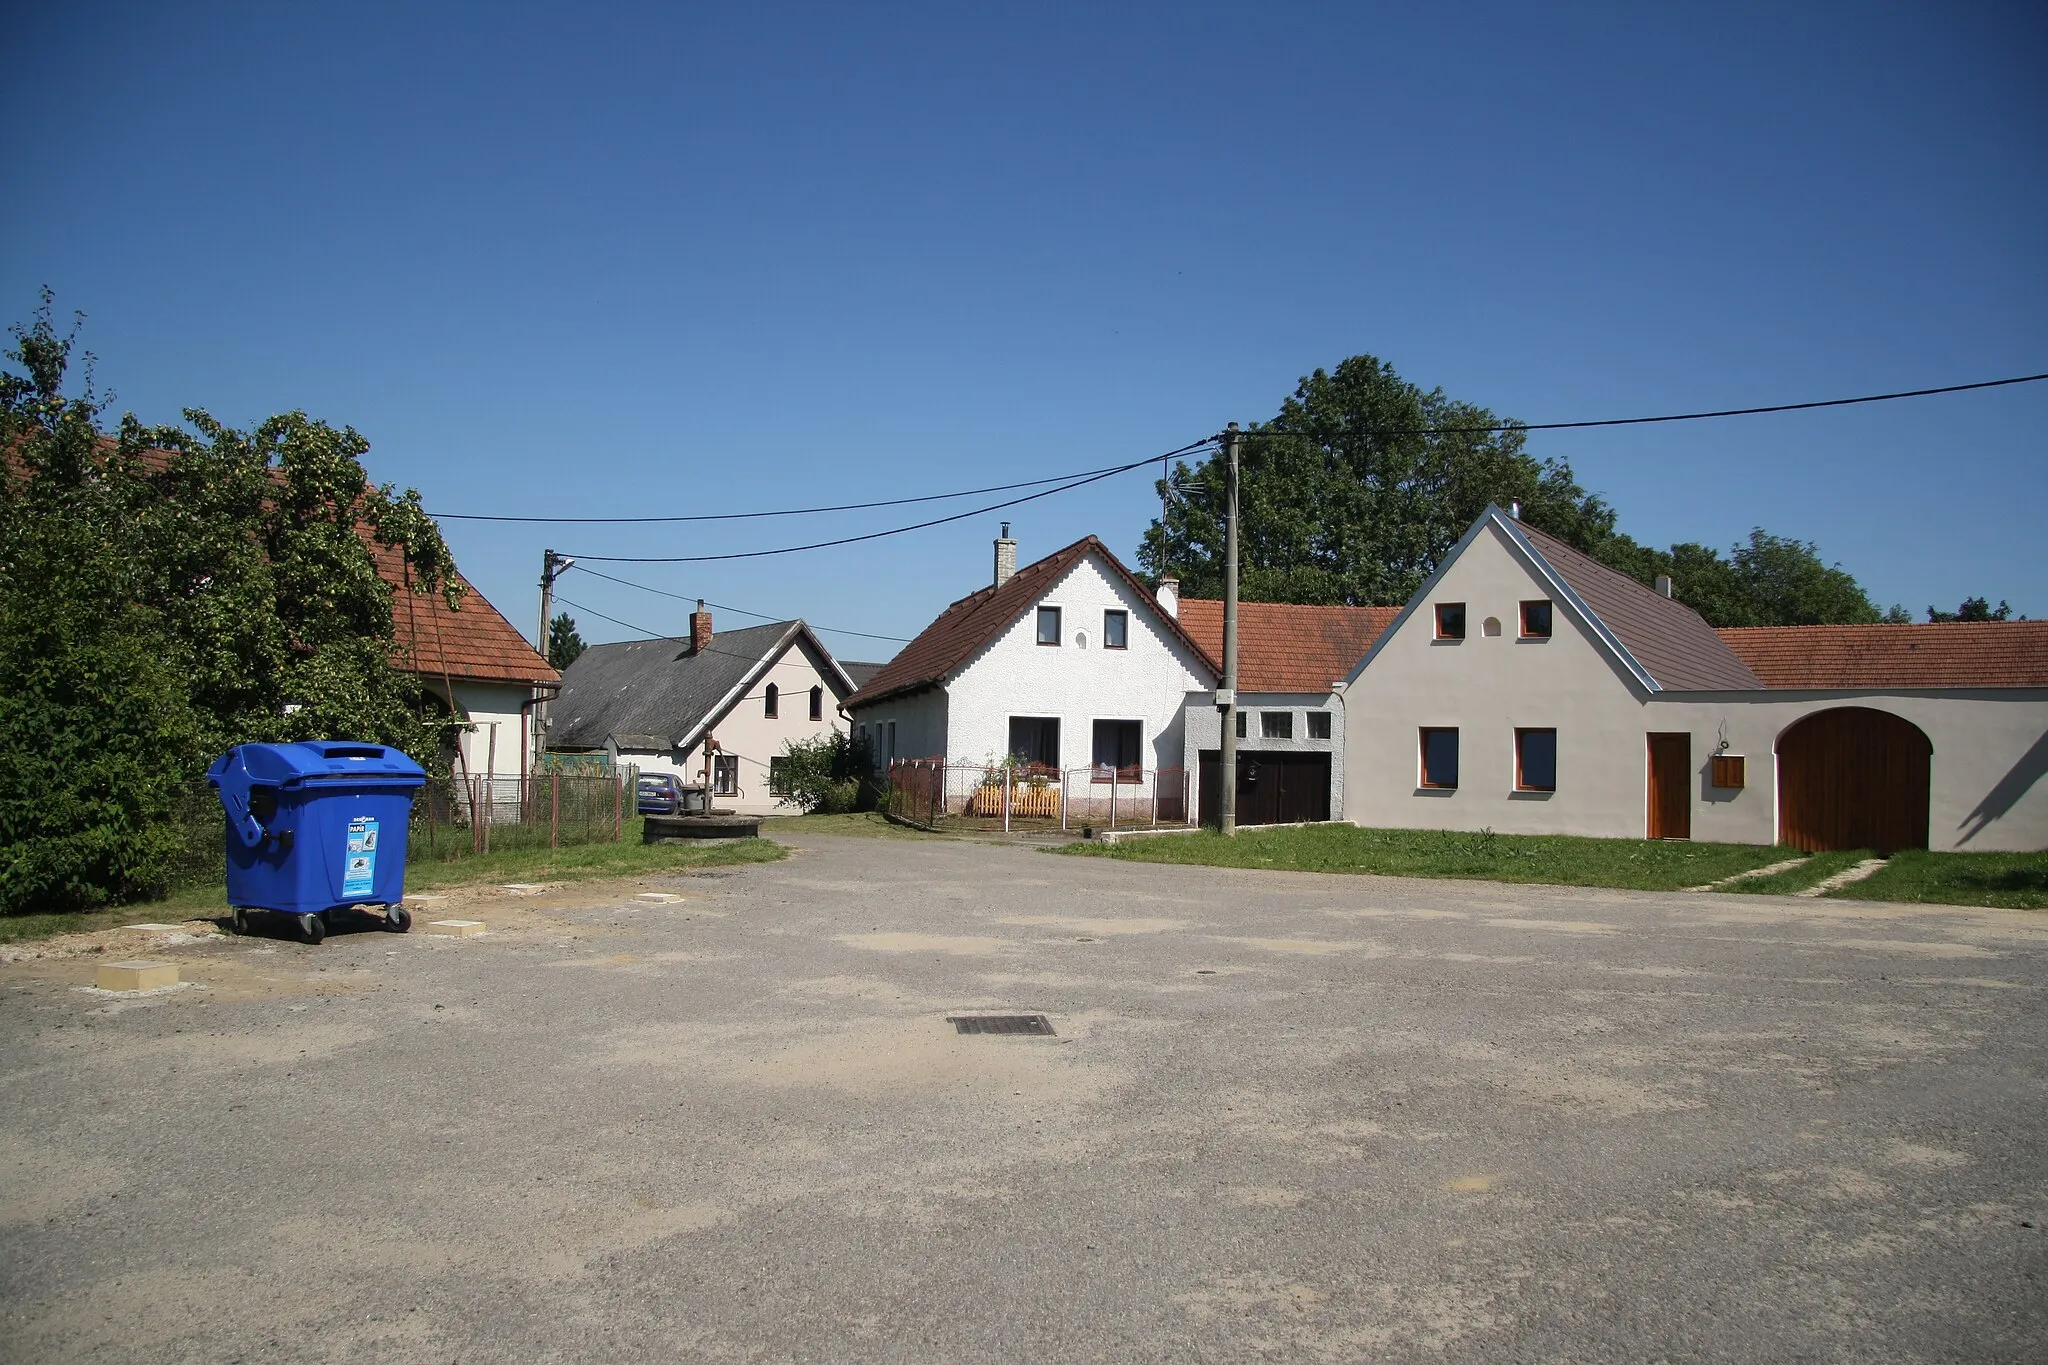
[[829, 775]]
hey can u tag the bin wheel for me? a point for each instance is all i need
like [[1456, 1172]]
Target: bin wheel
[[312, 928], [397, 919], [238, 920]]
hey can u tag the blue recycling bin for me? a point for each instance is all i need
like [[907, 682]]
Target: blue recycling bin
[[316, 827]]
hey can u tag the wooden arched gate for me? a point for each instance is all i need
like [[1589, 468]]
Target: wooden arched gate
[[1852, 777]]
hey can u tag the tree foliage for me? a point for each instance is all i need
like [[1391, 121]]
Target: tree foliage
[[1974, 609], [1362, 483], [167, 593], [564, 644], [829, 775]]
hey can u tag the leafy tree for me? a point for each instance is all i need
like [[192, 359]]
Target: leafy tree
[[168, 593], [564, 644], [1973, 609], [1363, 482]]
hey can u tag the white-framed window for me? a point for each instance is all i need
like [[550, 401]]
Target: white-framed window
[[725, 775], [1319, 725], [1276, 725]]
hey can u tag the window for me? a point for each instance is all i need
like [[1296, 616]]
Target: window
[[1536, 753], [1440, 758], [1319, 725], [1116, 630], [1728, 771], [1116, 750], [1035, 741], [892, 741], [1535, 620], [1450, 620], [1240, 724], [1049, 625], [817, 703], [778, 775], [725, 775], [1276, 724], [774, 701]]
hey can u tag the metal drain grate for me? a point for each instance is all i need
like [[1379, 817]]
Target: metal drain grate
[[1035, 1025]]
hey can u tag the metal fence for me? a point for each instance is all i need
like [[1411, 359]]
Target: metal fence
[[935, 794]]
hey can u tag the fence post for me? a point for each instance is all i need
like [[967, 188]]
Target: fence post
[[618, 808], [1063, 800], [1114, 773], [554, 810]]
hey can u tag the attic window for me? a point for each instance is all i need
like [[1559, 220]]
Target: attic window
[[817, 703], [1536, 620], [1450, 620], [1116, 630], [1049, 626], [774, 700]]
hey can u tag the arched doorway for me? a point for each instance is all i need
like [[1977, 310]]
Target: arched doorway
[[1852, 777]]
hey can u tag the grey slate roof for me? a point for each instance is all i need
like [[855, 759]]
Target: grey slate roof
[[860, 672], [657, 690], [1672, 642]]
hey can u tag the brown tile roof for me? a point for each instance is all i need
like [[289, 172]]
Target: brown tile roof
[[1672, 642], [1942, 654], [475, 644], [1285, 647], [974, 620]]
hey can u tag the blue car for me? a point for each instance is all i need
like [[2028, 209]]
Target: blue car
[[660, 794]]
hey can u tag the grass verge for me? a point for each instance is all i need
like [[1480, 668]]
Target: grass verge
[[861, 824], [581, 862], [2009, 881], [1562, 860], [1796, 879]]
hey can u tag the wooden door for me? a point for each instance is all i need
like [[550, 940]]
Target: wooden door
[[1272, 788], [1853, 777], [1670, 786]]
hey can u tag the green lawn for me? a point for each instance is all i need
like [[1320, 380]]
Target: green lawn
[[863, 824], [2012, 881], [1561, 860], [1816, 868], [581, 862]]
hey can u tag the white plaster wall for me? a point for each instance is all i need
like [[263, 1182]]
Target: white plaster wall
[[487, 705], [1203, 729], [1013, 675], [1488, 686], [920, 725], [746, 731]]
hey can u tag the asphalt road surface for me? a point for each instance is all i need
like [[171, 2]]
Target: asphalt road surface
[[1281, 1117]]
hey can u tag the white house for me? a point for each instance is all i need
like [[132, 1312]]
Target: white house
[[1529, 689], [717, 706], [1067, 663]]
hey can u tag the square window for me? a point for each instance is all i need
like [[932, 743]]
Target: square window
[[1536, 759], [1536, 620], [1116, 630], [1048, 625], [1035, 741], [1319, 725], [1276, 724], [1116, 750], [1450, 620], [1440, 758], [1240, 724]]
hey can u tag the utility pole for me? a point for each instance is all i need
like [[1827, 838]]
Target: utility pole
[[551, 566], [1226, 695]]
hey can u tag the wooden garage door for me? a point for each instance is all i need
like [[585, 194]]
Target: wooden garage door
[[1853, 778], [1272, 788]]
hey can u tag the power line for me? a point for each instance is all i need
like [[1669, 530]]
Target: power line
[[1676, 416], [788, 511], [893, 531], [739, 611]]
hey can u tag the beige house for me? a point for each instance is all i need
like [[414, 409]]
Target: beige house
[[717, 707], [1528, 689]]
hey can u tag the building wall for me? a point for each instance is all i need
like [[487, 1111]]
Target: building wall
[[489, 705], [1202, 728], [1989, 745], [920, 721], [745, 730], [1013, 675]]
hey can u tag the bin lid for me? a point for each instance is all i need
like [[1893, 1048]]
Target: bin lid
[[320, 760]]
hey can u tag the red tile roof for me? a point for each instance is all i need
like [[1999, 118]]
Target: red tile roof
[[1284, 647], [1943, 654], [475, 643], [974, 620]]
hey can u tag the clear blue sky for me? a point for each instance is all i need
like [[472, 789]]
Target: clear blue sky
[[580, 259]]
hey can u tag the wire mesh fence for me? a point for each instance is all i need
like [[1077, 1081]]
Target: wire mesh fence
[[1019, 798]]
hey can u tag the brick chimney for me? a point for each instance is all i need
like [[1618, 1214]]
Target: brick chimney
[[1006, 556], [1169, 597], [700, 629]]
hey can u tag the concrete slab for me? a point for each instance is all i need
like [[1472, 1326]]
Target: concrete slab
[[454, 928], [136, 976]]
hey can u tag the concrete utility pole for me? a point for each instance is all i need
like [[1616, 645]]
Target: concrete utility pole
[[1226, 696], [551, 566]]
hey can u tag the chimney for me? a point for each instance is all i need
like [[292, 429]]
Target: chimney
[[1006, 556], [1515, 510], [1169, 597], [1664, 585], [700, 629]]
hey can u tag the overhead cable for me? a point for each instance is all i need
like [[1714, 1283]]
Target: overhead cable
[[739, 611]]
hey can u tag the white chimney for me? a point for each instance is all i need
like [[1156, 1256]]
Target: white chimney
[[1169, 597], [1006, 556], [1664, 585], [1515, 510]]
